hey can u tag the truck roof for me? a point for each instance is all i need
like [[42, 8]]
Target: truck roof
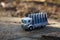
[[26, 18]]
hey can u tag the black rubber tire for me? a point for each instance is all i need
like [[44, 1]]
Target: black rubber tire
[[43, 26], [30, 28]]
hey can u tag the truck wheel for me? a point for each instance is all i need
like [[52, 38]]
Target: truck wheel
[[43, 26], [31, 28]]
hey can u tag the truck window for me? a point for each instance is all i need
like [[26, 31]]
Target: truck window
[[23, 21], [28, 21]]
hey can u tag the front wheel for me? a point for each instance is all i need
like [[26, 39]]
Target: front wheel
[[31, 28]]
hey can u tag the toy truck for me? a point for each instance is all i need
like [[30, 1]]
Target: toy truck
[[34, 20]]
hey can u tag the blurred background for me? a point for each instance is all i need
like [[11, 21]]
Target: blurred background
[[20, 8], [11, 12]]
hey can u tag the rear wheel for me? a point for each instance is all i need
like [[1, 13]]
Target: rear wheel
[[43, 26]]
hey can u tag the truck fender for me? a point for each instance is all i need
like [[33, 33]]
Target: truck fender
[[30, 26]]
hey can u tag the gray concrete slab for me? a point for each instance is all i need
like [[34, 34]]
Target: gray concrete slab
[[15, 32]]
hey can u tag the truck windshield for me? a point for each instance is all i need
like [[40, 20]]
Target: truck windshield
[[24, 21]]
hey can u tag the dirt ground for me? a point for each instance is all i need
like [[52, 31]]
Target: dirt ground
[[13, 31]]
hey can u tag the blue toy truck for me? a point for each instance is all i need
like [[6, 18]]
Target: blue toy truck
[[34, 20]]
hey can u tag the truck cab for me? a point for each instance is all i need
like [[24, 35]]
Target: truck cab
[[26, 23]]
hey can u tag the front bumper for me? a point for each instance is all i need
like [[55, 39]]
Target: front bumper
[[24, 26]]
